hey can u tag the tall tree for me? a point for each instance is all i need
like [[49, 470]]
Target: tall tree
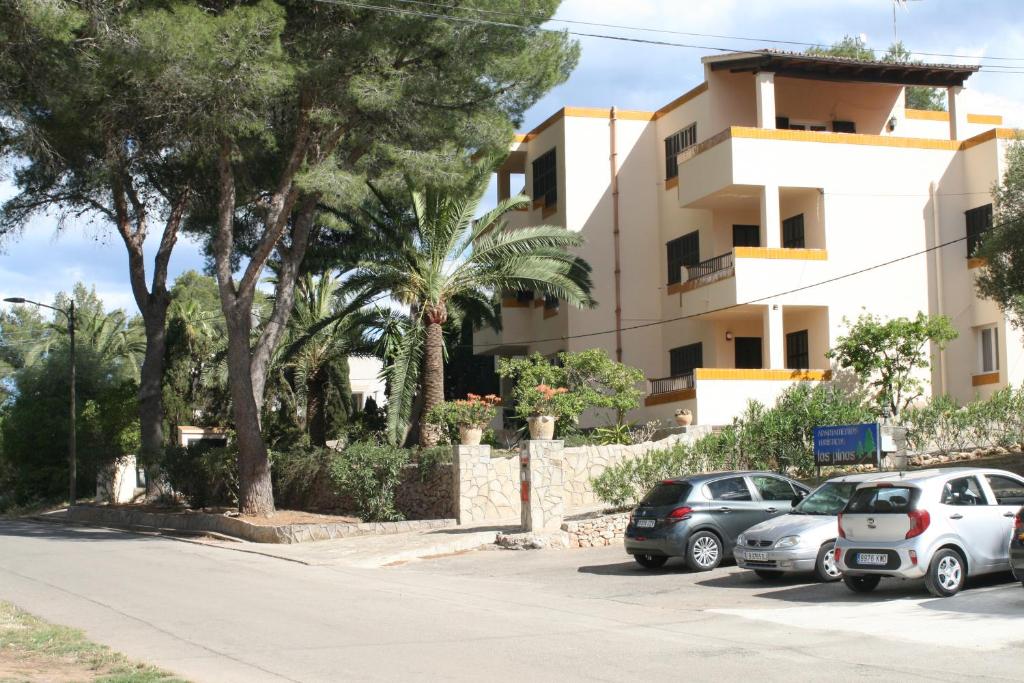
[[1002, 246], [86, 144], [455, 265], [296, 102]]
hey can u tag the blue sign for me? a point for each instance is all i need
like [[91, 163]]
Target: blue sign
[[847, 445]]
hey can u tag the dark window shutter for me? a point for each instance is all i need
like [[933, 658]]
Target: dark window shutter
[[793, 232], [843, 127], [685, 359], [797, 351], [682, 251], [746, 235], [676, 143], [782, 122], [979, 220], [545, 178]]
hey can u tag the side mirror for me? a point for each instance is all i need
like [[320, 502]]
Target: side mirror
[[797, 498]]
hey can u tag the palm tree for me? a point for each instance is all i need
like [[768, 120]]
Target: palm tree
[[114, 340], [453, 266]]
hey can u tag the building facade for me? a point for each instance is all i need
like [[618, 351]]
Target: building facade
[[726, 228]]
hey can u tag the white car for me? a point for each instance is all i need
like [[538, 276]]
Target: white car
[[802, 540], [942, 524]]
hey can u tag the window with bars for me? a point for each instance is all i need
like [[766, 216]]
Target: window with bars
[[793, 232], [545, 178], [798, 355], [979, 220], [683, 360], [682, 251], [676, 143]]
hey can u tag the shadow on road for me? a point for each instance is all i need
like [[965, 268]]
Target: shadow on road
[[50, 530], [456, 530], [631, 568]]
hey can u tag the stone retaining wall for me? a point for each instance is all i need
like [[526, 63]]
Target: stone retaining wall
[[594, 532], [231, 526], [488, 487], [426, 494]]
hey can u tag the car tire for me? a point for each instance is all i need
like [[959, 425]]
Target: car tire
[[825, 567], [768, 574], [703, 551], [862, 584], [650, 561], [947, 574]]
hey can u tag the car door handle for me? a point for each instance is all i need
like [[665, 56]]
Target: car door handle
[[956, 516], [1009, 514], [772, 510], [724, 509]]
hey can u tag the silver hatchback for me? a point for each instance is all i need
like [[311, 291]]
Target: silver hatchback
[[943, 525]]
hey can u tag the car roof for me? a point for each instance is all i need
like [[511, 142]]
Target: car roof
[[708, 476], [921, 476], [863, 477]]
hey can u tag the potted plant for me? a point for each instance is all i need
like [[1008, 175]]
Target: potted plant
[[472, 415], [684, 417], [543, 406]]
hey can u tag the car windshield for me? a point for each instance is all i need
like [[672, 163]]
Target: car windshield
[[828, 499], [666, 493]]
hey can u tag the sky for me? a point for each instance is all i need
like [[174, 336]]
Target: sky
[[628, 75]]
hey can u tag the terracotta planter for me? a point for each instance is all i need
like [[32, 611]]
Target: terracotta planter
[[684, 418], [542, 427], [470, 436]]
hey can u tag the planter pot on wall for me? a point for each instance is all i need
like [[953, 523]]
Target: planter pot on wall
[[542, 427], [684, 418], [470, 436]]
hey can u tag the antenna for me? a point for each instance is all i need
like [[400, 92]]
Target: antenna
[[903, 4]]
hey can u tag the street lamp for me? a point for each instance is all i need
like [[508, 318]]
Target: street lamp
[[72, 443]]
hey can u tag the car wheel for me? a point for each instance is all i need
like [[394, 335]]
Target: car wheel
[[703, 552], [946, 574], [861, 584], [768, 575], [650, 561], [825, 567]]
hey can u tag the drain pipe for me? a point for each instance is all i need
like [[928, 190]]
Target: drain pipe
[[613, 162], [940, 307]]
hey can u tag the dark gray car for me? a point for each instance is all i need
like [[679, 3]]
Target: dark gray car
[[699, 517]]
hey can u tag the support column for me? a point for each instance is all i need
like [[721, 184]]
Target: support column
[[504, 185], [469, 474], [957, 112], [774, 338], [771, 221], [543, 486], [764, 82]]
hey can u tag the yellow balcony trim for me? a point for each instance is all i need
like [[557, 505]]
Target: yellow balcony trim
[[671, 397], [987, 378], [771, 375], [781, 253], [671, 183], [926, 115], [976, 262], [681, 100], [994, 119]]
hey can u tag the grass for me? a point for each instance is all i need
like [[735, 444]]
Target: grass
[[34, 650]]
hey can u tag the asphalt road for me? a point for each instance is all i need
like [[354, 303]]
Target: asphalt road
[[218, 615]]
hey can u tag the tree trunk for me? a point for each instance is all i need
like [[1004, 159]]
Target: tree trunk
[[433, 380], [316, 407], [151, 400]]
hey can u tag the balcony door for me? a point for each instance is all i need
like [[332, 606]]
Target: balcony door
[[746, 235], [748, 353]]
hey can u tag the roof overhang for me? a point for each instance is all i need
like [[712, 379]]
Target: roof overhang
[[794, 65]]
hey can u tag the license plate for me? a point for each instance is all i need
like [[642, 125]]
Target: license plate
[[756, 556], [645, 523], [872, 558]]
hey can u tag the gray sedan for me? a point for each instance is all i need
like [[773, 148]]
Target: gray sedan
[[804, 539]]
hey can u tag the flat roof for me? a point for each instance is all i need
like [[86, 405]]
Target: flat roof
[[799, 65]]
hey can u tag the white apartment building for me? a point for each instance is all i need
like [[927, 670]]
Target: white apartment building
[[715, 224]]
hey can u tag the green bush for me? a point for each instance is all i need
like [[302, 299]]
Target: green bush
[[301, 477], [628, 481], [204, 475], [940, 424], [370, 473]]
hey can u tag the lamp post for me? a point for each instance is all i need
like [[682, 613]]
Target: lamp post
[[72, 441]]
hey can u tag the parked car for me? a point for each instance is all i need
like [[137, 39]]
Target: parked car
[[1017, 546], [943, 525], [804, 539], [699, 517]]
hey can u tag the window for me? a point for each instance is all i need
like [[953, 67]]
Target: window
[[773, 489], [797, 356], [746, 235], [979, 220], [733, 488], [550, 302], [843, 127], [874, 500], [748, 352], [667, 493], [545, 179], [682, 251], [683, 359], [524, 296], [963, 491], [1007, 491], [676, 143], [793, 232], [988, 349]]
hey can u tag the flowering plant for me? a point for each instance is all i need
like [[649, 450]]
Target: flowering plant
[[545, 400], [472, 411]]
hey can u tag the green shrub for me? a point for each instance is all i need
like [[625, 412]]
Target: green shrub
[[301, 477], [628, 481], [370, 474], [204, 475]]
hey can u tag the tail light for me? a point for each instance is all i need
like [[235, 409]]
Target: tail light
[[680, 513], [919, 521], [842, 534], [1018, 521], [837, 555]]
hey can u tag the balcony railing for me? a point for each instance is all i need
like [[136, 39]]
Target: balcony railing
[[710, 267], [666, 385]]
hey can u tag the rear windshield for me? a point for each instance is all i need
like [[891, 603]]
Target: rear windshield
[[879, 500], [827, 499], [666, 494]]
